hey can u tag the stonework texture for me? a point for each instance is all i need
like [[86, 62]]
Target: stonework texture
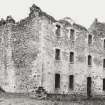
[[27, 54]]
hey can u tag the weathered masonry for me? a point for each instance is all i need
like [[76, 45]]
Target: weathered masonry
[[60, 55]]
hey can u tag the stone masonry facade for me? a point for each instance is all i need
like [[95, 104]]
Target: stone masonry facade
[[59, 55]]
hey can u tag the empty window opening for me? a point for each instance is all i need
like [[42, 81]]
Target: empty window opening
[[104, 44], [57, 54], [71, 57], [57, 81], [72, 34], [58, 30], [103, 63], [71, 82], [89, 83], [104, 84], [89, 60], [89, 39]]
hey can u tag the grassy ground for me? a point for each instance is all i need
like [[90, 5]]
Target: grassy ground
[[19, 99]]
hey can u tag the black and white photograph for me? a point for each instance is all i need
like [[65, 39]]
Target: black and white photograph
[[52, 52]]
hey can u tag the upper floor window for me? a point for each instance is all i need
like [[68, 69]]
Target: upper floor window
[[104, 44], [71, 57], [89, 39], [57, 54], [58, 30], [72, 34], [103, 63], [89, 60]]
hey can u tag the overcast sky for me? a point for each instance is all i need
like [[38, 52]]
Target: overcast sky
[[81, 11]]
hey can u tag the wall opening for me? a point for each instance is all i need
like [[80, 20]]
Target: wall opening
[[58, 30], [89, 82], [71, 57], [103, 63], [71, 82], [104, 44], [57, 81], [89, 60], [57, 54], [72, 34], [104, 84], [89, 39]]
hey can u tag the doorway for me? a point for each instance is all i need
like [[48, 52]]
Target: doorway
[[89, 82]]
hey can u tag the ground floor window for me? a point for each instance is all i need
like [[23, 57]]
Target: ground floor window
[[71, 82], [57, 81], [104, 84]]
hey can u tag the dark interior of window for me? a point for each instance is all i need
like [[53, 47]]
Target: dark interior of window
[[103, 63], [71, 57], [57, 80], [58, 30], [104, 43], [104, 84], [72, 34], [71, 81], [89, 39], [57, 54], [89, 60]]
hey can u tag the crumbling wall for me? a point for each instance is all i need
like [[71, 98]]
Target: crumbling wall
[[97, 51], [27, 55], [26, 52], [6, 63], [3, 72], [80, 69], [63, 66]]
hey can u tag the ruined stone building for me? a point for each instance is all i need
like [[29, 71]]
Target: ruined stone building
[[60, 55]]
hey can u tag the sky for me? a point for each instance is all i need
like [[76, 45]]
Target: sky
[[81, 11]]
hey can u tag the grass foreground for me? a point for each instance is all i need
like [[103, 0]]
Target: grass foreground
[[21, 99]]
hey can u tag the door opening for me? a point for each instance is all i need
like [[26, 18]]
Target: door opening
[[89, 82]]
